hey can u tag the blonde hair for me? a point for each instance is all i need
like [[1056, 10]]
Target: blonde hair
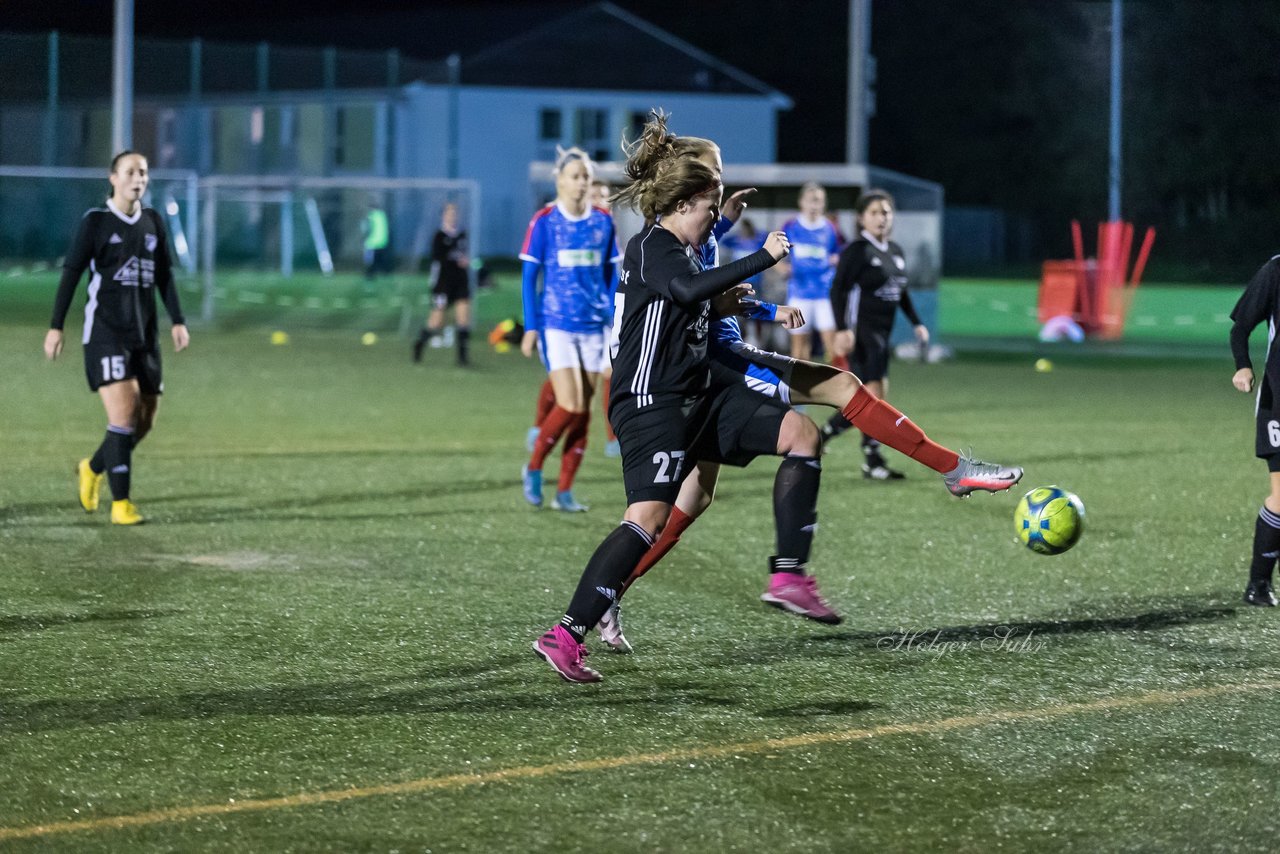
[[565, 156], [664, 169]]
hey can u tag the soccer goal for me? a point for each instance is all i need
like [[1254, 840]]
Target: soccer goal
[[294, 248], [40, 209]]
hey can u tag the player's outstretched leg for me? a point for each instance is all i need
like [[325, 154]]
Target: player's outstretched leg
[[882, 423]]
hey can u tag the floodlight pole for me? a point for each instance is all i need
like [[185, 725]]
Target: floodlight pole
[[858, 108], [1117, 55], [122, 79]]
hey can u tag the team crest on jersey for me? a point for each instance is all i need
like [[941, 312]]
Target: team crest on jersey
[[150, 241], [900, 261]]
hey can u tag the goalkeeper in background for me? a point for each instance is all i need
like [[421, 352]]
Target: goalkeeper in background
[[377, 236]]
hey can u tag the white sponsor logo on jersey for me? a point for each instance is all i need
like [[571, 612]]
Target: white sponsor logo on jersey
[[809, 250], [128, 273], [578, 257]]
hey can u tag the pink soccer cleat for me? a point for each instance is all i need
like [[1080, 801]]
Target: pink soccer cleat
[[558, 648], [799, 594]]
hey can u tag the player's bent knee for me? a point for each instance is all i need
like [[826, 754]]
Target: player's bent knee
[[799, 436]]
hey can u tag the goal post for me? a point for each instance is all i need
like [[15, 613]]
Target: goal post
[[294, 246]]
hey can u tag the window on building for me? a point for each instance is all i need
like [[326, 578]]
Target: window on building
[[636, 124], [549, 125], [550, 129], [591, 133], [354, 138]]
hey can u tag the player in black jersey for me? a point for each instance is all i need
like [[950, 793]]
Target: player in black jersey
[[449, 263], [869, 287], [1261, 302], [671, 406], [126, 250]]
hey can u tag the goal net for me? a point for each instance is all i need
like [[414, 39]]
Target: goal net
[[297, 250]]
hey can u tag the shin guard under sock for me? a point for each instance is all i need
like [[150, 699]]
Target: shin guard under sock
[[1266, 545], [795, 507], [117, 457], [575, 445], [613, 561], [677, 523], [553, 426], [877, 419], [546, 402]]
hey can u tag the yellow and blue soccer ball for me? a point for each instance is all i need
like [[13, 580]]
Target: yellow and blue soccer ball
[[1049, 520]]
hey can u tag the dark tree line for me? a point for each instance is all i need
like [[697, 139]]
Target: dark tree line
[[1007, 106]]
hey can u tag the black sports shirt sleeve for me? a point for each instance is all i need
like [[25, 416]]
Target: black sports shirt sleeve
[[844, 281], [73, 267], [688, 287], [1256, 304], [909, 308], [164, 273]]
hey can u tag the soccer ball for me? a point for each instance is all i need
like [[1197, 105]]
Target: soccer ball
[[1049, 520]]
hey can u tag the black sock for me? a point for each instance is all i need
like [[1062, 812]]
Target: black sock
[[117, 457], [1266, 545], [98, 462], [464, 338], [795, 511], [835, 425], [602, 579], [871, 450]]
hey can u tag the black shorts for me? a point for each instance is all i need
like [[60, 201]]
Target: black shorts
[[661, 443], [1267, 427], [107, 362], [870, 357], [450, 289]]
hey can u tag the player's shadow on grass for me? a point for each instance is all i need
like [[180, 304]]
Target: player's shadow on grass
[[499, 686], [22, 623], [1014, 629], [359, 502]]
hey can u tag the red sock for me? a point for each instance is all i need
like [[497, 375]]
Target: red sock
[[604, 406], [841, 362], [677, 523], [556, 422], [881, 421], [575, 445], [546, 400]]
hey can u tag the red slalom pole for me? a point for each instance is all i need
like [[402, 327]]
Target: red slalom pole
[[1143, 254]]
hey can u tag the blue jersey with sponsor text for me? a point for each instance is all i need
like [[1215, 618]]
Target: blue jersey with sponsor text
[[811, 251], [577, 256]]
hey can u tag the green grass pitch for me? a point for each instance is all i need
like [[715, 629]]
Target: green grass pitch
[[320, 640]]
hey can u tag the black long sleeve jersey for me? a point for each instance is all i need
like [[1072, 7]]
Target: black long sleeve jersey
[[662, 316], [446, 250], [1259, 302], [128, 260], [870, 284]]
